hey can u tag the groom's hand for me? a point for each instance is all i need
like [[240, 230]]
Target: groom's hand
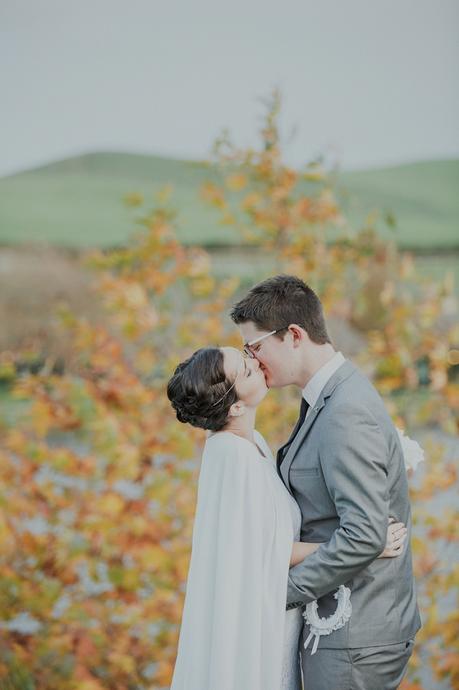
[[396, 536]]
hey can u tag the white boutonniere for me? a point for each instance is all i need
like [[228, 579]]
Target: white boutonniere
[[413, 454]]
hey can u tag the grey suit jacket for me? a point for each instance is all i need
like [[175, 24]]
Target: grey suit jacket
[[345, 468]]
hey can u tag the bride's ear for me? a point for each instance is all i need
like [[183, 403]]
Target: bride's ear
[[237, 409]]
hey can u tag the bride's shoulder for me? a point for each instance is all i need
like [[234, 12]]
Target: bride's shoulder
[[222, 443], [261, 441], [222, 438], [225, 444], [259, 437]]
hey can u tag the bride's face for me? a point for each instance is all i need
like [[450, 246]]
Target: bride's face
[[250, 381]]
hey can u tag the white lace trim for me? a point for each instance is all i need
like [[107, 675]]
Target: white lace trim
[[324, 626]]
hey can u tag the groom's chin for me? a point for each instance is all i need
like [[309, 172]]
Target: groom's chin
[[269, 382], [272, 383]]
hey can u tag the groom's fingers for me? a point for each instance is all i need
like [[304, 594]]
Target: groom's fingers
[[396, 536], [398, 543], [400, 535], [397, 527], [395, 532]]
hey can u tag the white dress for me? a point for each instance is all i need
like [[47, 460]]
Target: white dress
[[291, 677], [235, 632]]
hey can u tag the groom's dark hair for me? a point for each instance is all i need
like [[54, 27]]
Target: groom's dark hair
[[275, 303]]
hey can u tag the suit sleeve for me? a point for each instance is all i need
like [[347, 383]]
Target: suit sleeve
[[353, 457]]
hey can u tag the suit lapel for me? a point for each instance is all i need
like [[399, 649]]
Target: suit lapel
[[344, 371], [280, 452], [301, 435]]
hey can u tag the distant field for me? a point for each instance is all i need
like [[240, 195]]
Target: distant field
[[78, 202], [423, 197]]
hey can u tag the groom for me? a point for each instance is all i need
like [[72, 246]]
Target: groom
[[343, 464]]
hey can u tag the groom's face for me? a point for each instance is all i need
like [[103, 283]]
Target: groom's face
[[273, 354]]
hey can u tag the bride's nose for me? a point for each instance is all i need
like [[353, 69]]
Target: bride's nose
[[256, 364]]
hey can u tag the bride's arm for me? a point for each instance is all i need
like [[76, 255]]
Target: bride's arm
[[396, 535], [300, 550]]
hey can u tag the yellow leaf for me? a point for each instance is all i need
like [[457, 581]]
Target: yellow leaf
[[163, 195], [236, 182], [123, 662], [152, 557], [6, 537], [131, 580], [133, 199], [251, 200], [111, 504]]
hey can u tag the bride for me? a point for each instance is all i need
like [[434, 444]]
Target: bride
[[236, 633]]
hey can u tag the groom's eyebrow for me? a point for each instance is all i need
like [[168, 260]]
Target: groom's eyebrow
[[245, 367]]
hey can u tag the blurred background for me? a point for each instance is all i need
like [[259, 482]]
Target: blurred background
[[156, 162]]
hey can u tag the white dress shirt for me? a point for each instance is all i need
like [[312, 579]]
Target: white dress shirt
[[316, 384]]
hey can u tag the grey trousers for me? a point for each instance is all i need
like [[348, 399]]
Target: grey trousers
[[368, 668]]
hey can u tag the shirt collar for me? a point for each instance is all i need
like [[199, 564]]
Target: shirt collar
[[316, 384]]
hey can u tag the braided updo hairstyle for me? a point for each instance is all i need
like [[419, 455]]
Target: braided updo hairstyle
[[196, 386]]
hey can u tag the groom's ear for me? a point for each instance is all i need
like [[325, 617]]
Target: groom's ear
[[298, 333], [237, 409]]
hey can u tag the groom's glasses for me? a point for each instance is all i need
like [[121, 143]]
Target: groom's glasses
[[248, 346]]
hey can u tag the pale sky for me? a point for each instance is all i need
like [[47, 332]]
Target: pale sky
[[365, 82]]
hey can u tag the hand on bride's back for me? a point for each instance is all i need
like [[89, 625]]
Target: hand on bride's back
[[395, 539]]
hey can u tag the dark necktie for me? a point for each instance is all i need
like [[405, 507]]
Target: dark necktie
[[282, 452], [304, 407]]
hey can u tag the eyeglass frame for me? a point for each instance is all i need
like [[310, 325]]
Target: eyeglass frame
[[248, 353], [248, 345]]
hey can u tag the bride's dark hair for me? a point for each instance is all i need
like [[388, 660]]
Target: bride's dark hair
[[197, 387]]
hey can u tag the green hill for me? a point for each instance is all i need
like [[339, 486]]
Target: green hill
[[423, 198], [78, 202]]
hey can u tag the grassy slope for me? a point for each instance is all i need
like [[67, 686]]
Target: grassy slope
[[423, 196], [77, 202]]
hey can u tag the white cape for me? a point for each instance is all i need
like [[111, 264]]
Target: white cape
[[232, 630]]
